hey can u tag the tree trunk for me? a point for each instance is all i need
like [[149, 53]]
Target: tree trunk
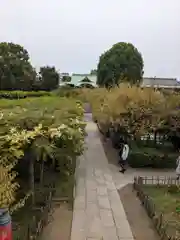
[[155, 138], [31, 174], [42, 170]]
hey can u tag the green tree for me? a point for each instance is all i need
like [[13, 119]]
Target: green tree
[[122, 61], [16, 71], [93, 71], [49, 78], [66, 79]]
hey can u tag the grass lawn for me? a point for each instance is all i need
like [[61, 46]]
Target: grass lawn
[[167, 201]]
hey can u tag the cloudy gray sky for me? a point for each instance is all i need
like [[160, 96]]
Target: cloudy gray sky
[[71, 34]]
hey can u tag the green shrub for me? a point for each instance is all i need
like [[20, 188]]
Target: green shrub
[[173, 189], [151, 157], [22, 94], [50, 129], [67, 91]]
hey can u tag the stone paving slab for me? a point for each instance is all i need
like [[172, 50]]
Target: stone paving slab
[[98, 212]]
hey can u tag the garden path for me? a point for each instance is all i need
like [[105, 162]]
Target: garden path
[[141, 225], [98, 211]]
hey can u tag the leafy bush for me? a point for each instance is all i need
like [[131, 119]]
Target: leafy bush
[[151, 157], [48, 130], [138, 110], [22, 94], [67, 91], [82, 94], [173, 189]]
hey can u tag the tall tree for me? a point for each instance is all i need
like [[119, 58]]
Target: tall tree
[[49, 78], [122, 61], [16, 71]]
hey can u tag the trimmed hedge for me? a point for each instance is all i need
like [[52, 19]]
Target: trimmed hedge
[[22, 94], [143, 153], [140, 157]]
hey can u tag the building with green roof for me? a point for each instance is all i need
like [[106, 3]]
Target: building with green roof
[[80, 80]]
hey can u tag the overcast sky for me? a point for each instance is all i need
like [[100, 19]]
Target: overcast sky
[[71, 34]]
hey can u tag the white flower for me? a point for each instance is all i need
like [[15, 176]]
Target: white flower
[[62, 126], [1, 115]]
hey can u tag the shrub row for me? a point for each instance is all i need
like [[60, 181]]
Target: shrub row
[[142, 153], [140, 157], [22, 94]]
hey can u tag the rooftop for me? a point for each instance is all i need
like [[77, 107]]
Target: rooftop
[[78, 79], [160, 82]]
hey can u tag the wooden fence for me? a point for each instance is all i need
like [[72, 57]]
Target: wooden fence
[[158, 180], [163, 227]]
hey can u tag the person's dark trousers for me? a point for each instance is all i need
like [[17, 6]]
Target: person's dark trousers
[[123, 166], [120, 154]]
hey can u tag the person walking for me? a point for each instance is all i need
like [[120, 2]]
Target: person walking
[[120, 150], [123, 157], [178, 168]]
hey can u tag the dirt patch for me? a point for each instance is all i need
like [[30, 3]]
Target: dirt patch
[[111, 153], [141, 225], [60, 224]]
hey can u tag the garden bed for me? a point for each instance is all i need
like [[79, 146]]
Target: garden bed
[[60, 224], [51, 130], [143, 154], [161, 199], [167, 201], [62, 198]]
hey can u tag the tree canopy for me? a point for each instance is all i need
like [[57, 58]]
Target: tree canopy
[[49, 78], [16, 71], [93, 71], [121, 62], [66, 79]]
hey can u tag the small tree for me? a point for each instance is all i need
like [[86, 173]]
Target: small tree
[[66, 79], [122, 61], [49, 78]]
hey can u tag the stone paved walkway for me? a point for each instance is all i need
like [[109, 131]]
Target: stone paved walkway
[[98, 212]]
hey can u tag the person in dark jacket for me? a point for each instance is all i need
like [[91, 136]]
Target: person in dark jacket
[[123, 154], [120, 151]]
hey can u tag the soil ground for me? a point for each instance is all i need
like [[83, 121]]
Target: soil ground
[[60, 220], [140, 223], [60, 224]]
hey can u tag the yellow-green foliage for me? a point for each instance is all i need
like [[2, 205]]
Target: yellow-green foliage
[[7, 186], [12, 147], [138, 109], [51, 124], [22, 94]]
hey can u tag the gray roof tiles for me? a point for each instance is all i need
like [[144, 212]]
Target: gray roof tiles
[[166, 82]]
